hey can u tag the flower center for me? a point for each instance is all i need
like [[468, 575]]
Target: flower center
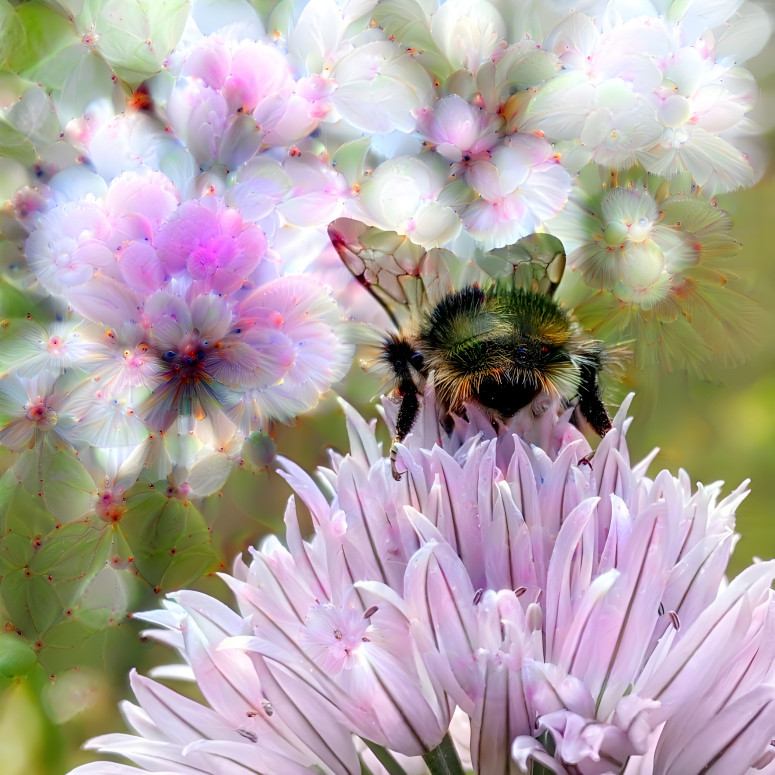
[[333, 637], [41, 415], [187, 364]]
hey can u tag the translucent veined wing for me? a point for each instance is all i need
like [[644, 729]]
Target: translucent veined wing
[[403, 277], [535, 263]]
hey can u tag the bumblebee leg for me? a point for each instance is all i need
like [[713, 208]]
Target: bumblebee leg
[[591, 401], [407, 365], [407, 414]]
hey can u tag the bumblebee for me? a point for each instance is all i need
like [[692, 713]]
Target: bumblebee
[[498, 343]]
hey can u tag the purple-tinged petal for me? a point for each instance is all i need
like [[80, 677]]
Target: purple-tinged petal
[[613, 646], [364, 448], [508, 552], [439, 594], [140, 267], [181, 719], [734, 740], [112, 768], [525, 750], [501, 712], [701, 649]]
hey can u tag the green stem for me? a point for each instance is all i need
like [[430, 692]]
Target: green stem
[[443, 759], [385, 758], [547, 741], [538, 769]]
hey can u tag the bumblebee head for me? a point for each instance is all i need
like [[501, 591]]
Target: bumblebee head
[[401, 358]]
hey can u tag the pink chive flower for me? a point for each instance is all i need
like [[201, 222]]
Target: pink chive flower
[[573, 609], [180, 329], [187, 317]]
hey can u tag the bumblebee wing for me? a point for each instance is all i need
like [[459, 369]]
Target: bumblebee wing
[[535, 263], [402, 276]]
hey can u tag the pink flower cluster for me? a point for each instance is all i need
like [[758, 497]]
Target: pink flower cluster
[[521, 103], [187, 317], [233, 96], [573, 609], [171, 246], [476, 178]]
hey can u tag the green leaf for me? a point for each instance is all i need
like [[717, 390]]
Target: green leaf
[[72, 642], [153, 522], [15, 552], [34, 115], [136, 36], [15, 145], [208, 475], [81, 12], [167, 20], [46, 34], [14, 303], [281, 16], [523, 70], [68, 634], [78, 76], [74, 691], [111, 650], [26, 469], [74, 551], [12, 34], [409, 23], [350, 159], [170, 540], [105, 600], [152, 567], [190, 563], [68, 489], [25, 514], [16, 657], [260, 449], [8, 485], [30, 601]]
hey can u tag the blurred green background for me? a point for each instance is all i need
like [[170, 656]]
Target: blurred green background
[[715, 429]]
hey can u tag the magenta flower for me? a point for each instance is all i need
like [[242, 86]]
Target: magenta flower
[[211, 245], [572, 608], [181, 317], [232, 96]]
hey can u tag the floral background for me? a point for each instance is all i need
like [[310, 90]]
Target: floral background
[[251, 152]]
